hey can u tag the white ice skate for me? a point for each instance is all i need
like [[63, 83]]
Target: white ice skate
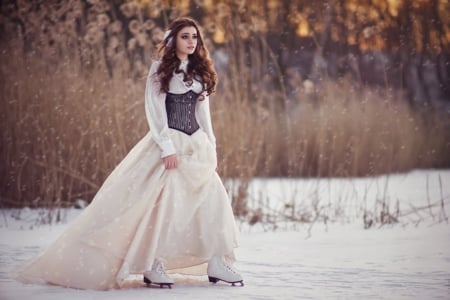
[[157, 275], [219, 270]]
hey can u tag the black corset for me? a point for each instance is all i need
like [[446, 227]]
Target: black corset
[[181, 112]]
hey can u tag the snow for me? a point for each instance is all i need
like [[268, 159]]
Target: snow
[[337, 260], [346, 199]]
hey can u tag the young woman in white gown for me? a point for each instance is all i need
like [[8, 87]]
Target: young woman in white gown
[[163, 207]]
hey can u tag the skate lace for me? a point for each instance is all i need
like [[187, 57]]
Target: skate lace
[[229, 268], [160, 269]]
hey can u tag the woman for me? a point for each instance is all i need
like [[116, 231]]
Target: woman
[[163, 206]]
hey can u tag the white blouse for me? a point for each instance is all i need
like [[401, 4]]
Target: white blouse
[[155, 107]]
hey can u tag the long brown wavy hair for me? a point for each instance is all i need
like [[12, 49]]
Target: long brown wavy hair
[[200, 65]]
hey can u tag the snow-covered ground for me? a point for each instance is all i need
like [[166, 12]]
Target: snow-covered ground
[[340, 260], [347, 199]]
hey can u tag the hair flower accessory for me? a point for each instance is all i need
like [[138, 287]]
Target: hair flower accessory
[[165, 38]]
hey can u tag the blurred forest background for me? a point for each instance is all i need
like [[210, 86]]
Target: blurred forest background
[[307, 88]]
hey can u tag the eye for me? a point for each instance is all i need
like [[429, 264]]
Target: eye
[[195, 37]]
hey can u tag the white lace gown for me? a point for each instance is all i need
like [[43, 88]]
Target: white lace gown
[[143, 211]]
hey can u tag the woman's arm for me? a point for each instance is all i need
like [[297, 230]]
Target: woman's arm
[[203, 115], [155, 110]]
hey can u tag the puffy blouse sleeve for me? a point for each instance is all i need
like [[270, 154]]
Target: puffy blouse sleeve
[[203, 115], [155, 110]]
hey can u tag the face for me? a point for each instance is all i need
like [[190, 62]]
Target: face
[[186, 42]]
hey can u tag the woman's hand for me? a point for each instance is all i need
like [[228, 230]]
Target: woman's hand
[[170, 162]]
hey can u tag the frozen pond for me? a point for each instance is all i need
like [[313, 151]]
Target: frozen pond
[[335, 260]]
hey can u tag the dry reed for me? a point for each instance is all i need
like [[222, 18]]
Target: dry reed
[[72, 108]]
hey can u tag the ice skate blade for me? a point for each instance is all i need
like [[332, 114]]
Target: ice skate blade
[[214, 280], [161, 284]]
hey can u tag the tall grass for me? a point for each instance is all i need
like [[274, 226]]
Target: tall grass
[[64, 129], [72, 108], [332, 129]]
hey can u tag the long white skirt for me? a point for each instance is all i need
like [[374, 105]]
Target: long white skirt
[[142, 212]]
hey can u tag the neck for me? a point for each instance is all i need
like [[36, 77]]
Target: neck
[[182, 57]]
